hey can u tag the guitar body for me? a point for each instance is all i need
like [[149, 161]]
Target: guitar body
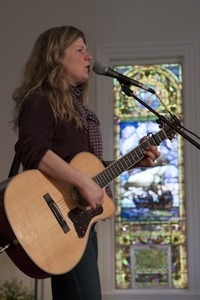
[[48, 223], [15, 251]]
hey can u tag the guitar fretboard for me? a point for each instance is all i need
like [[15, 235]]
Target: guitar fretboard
[[131, 158]]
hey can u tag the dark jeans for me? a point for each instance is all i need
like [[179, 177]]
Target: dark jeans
[[81, 283]]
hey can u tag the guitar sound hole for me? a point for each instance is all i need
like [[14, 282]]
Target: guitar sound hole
[[78, 200]]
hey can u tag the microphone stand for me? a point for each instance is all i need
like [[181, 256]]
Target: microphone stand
[[162, 119], [35, 289]]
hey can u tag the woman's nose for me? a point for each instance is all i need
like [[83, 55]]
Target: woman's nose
[[88, 56]]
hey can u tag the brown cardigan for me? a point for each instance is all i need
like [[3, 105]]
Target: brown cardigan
[[39, 132]]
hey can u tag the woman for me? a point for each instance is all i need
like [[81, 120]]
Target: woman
[[54, 124]]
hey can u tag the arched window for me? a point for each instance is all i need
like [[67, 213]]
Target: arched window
[[150, 221]]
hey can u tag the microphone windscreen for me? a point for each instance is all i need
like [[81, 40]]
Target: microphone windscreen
[[100, 68]]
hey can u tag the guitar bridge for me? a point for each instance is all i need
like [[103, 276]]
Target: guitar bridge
[[57, 213]]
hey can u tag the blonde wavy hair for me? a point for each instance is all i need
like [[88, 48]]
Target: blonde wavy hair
[[43, 74]]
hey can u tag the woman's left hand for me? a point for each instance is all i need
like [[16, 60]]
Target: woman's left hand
[[151, 154]]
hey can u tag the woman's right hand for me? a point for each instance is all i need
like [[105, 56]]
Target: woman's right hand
[[91, 193], [57, 168]]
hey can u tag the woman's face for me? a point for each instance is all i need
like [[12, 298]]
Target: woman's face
[[76, 63]]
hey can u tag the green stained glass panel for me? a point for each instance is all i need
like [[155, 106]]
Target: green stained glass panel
[[151, 266]]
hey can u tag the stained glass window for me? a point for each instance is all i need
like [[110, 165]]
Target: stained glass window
[[150, 220]]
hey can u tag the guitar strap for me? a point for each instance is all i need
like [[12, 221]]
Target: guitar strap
[[14, 167]]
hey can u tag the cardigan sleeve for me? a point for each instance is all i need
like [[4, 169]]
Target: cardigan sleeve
[[36, 128]]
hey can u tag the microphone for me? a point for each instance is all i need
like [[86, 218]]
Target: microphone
[[101, 69]]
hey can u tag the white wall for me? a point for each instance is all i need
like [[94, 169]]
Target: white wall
[[109, 23]]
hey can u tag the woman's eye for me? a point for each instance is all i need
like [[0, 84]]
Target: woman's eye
[[82, 50]]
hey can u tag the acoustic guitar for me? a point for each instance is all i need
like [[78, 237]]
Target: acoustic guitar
[[44, 226]]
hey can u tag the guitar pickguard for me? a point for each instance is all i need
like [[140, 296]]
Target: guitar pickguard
[[81, 218]]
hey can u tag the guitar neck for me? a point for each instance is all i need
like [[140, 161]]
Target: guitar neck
[[128, 160]]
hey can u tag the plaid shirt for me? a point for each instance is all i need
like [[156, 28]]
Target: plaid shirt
[[91, 126]]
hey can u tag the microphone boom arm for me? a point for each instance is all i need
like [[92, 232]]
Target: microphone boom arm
[[130, 93]]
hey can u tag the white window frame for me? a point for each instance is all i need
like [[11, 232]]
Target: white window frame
[[135, 53]]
